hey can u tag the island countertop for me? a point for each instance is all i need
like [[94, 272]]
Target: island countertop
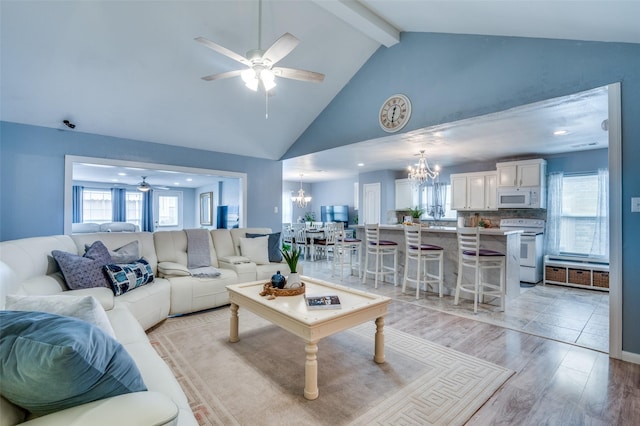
[[448, 229], [501, 240]]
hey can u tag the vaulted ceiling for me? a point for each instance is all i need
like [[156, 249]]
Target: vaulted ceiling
[[132, 69]]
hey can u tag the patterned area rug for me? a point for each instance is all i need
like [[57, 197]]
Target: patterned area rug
[[260, 379]]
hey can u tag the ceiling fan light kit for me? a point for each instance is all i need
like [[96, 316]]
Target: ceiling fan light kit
[[144, 186], [261, 70]]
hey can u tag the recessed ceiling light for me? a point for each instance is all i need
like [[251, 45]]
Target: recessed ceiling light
[[560, 132], [114, 180], [360, 164], [122, 174], [176, 183], [189, 180]]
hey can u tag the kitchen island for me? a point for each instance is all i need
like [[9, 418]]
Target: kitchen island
[[504, 241]]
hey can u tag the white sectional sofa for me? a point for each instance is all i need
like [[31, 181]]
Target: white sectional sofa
[[28, 268]]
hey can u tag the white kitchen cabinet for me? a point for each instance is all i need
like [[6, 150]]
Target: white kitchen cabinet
[[473, 191], [526, 173], [406, 194], [491, 191]]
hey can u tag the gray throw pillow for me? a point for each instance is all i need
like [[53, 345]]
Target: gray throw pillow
[[84, 271], [274, 245], [128, 253]]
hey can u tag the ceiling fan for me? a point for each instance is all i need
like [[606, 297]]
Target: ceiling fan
[[261, 70], [144, 186]]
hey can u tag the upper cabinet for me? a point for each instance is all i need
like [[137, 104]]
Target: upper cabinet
[[406, 194], [526, 173], [473, 191]]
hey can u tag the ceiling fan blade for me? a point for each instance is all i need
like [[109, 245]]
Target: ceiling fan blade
[[281, 48], [222, 75], [295, 74], [223, 50]]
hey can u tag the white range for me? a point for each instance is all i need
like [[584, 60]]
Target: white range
[[531, 248]]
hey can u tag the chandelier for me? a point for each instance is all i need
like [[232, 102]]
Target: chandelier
[[301, 200], [421, 171]]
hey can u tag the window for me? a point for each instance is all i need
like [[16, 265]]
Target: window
[[169, 210], [134, 208], [428, 200], [579, 214], [96, 205]]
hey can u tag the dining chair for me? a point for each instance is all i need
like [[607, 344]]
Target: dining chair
[[327, 243], [302, 242], [346, 247]]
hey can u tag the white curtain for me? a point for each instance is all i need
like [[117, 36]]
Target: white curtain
[[554, 213], [600, 244]]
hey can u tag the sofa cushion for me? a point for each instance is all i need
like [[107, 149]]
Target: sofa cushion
[[256, 249], [86, 308], [172, 269], [52, 362], [84, 271], [126, 277], [274, 245]]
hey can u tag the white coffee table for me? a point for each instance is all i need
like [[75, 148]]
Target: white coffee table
[[292, 314]]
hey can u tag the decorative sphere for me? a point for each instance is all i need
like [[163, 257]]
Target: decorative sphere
[[278, 280]]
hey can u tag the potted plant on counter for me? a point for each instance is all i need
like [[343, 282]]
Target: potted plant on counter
[[416, 213], [291, 257]]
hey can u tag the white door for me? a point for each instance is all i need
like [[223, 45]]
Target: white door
[[371, 200]]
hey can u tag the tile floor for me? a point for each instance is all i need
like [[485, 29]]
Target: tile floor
[[566, 314]]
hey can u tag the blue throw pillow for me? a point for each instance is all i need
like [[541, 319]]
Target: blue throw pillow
[[51, 362], [84, 271], [126, 277], [274, 245]]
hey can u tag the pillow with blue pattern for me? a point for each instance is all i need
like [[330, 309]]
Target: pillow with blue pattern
[[52, 362], [126, 277]]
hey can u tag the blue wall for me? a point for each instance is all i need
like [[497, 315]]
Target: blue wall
[[334, 193], [32, 175], [449, 77]]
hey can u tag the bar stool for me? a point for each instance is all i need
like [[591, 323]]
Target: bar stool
[[346, 247], [470, 255], [379, 248], [423, 255]]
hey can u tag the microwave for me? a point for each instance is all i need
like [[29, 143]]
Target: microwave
[[520, 198]]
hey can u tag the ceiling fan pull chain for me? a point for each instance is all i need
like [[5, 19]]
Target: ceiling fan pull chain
[[266, 105]]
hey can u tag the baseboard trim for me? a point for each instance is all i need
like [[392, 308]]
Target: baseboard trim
[[630, 357]]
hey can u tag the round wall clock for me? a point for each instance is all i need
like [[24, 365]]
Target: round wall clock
[[395, 113]]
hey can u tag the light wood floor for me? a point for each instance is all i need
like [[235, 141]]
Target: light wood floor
[[556, 383]]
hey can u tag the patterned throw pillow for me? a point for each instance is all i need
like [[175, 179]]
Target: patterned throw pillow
[[84, 271], [126, 277]]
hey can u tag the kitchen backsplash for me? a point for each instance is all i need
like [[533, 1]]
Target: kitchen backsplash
[[495, 216]]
